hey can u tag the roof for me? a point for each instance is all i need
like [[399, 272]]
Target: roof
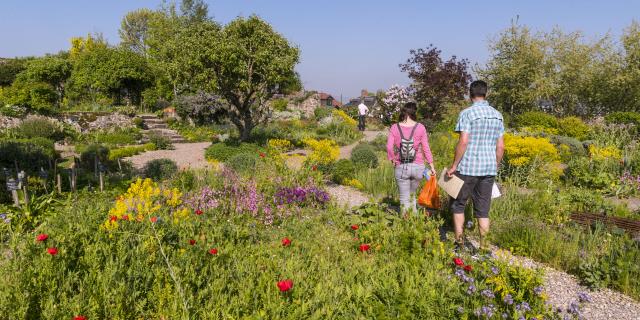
[[326, 96]]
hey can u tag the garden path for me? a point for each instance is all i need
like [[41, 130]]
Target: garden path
[[343, 195], [186, 155], [562, 289]]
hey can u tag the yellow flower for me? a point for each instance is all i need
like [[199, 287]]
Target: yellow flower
[[523, 150], [323, 151], [604, 153], [280, 145], [344, 117]]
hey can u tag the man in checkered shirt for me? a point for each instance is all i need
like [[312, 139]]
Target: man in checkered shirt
[[478, 155]]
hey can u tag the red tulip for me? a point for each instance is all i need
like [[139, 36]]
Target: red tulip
[[286, 242], [42, 237], [79, 318], [354, 227], [52, 251], [468, 268], [213, 251], [192, 242], [285, 285], [458, 261], [199, 212], [125, 217], [364, 247], [113, 218], [154, 219], [262, 155]]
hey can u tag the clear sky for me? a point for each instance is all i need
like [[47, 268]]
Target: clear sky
[[346, 45]]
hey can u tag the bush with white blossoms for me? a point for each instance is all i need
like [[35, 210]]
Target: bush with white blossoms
[[390, 104]]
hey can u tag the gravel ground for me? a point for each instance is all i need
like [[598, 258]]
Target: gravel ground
[[186, 155], [346, 196], [562, 289]]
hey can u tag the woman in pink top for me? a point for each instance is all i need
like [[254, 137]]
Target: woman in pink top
[[408, 148]]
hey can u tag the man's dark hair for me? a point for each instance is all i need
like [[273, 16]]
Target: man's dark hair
[[409, 109], [478, 88]]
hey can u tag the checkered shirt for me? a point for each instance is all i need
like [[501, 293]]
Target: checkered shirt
[[484, 125]]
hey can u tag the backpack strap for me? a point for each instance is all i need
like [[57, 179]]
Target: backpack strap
[[413, 131], [400, 130]]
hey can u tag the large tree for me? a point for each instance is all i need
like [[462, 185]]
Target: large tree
[[134, 30], [435, 80], [52, 70], [251, 62]]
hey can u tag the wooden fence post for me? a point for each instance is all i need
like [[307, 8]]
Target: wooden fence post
[[59, 183]]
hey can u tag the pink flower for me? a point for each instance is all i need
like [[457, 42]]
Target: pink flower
[[213, 251], [42, 237], [52, 251], [458, 261]]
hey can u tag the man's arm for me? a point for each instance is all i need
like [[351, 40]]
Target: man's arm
[[499, 151], [460, 150]]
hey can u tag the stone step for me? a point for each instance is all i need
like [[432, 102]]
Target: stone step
[[157, 126]]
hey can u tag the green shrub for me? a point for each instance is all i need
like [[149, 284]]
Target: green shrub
[[161, 142], [242, 162], [129, 151], [343, 170], [30, 154], [321, 112], [160, 169], [279, 104], [623, 118], [117, 137], [12, 111], [592, 174], [364, 155], [35, 127], [568, 147], [536, 119], [88, 154], [573, 127], [223, 152], [138, 122]]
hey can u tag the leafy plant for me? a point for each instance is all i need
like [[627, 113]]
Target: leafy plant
[[159, 169], [161, 142], [243, 163], [343, 170], [364, 155]]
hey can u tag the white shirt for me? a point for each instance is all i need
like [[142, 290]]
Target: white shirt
[[362, 109]]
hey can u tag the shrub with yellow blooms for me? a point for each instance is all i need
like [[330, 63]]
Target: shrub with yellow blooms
[[280, 145], [604, 153], [523, 150], [323, 152], [344, 117], [144, 201]]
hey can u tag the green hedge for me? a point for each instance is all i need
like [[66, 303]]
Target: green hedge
[[223, 152], [129, 151], [364, 155]]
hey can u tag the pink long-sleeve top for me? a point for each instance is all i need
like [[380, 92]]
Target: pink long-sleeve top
[[420, 140]]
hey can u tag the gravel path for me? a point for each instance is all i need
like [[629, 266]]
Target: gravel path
[[346, 196], [564, 289], [186, 155]]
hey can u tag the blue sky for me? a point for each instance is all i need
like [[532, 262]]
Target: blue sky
[[346, 45]]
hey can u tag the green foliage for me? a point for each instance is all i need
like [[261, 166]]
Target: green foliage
[[364, 155], [40, 127], [343, 170], [30, 154], [568, 147], [202, 108], [321, 112], [89, 154], [536, 119], [115, 137], [223, 152], [160, 169], [37, 96], [194, 133], [280, 104], [161, 142], [596, 175], [243, 163], [622, 117], [138, 122], [573, 127], [9, 70], [11, 111]]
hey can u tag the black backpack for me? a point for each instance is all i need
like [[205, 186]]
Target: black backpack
[[407, 150]]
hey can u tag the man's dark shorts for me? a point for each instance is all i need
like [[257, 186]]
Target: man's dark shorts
[[479, 189]]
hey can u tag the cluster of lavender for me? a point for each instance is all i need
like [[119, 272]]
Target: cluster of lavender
[[628, 179], [300, 196]]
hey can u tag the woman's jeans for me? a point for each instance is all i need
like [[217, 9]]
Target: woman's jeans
[[408, 176]]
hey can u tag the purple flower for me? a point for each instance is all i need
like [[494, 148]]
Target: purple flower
[[574, 308], [460, 310], [495, 270], [471, 290], [584, 297], [487, 293], [505, 316], [524, 307], [508, 299], [537, 290]]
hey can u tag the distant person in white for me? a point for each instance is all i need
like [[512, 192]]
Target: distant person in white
[[362, 113]]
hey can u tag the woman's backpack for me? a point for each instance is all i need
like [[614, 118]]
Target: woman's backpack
[[407, 150]]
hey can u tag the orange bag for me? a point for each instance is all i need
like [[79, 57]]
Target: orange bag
[[429, 196]]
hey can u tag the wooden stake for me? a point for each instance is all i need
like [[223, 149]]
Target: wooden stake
[[101, 181], [16, 200], [59, 183]]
